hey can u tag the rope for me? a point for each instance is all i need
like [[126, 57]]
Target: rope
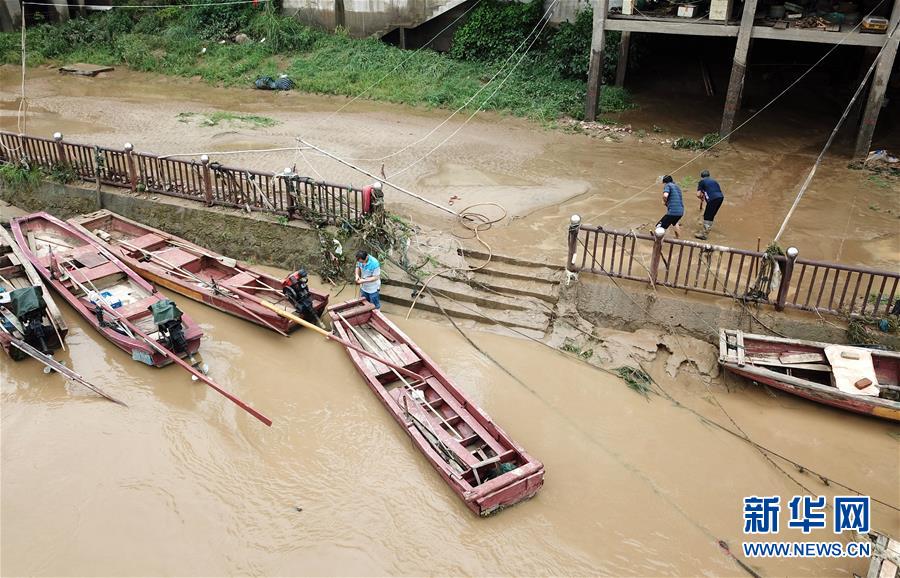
[[833, 134], [469, 101]]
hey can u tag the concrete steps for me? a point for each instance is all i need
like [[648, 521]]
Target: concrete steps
[[507, 292]]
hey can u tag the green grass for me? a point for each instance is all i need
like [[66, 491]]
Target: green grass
[[172, 41], [213, 119]]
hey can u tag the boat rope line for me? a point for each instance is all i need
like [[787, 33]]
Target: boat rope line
[[826, 480], [837, 127], [777, 97], [545, 20], [633, 469], [533, 35], [471, 98]]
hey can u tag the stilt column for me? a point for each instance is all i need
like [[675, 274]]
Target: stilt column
[[622, 64], [878, 87], [595, 68], [738, 68]]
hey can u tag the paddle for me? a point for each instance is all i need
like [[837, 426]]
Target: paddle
[[163, 351], [184, 272], [60, 368], [344, 342]]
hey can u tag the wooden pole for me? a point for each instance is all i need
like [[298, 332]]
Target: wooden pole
[[879, 87], [172, 356], [622, 64], [344, 342], [738, 69], [595, 67]]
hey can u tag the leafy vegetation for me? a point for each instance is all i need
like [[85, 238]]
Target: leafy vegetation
[[707, 141], [213, 119], [188, 42], [20, 176]]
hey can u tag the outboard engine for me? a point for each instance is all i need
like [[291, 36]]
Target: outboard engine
[[167, 318], [28, 306], [296, 288]]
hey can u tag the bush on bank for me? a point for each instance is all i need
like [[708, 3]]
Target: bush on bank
[[548, 83]]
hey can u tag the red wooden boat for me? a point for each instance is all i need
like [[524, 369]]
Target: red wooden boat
[[852, 378], [195, 272], [475, 457], [27, 310], [90, 278]]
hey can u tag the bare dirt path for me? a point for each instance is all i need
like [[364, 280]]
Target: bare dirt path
[[540, 175]]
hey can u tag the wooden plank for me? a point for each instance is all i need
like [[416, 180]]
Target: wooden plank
[[771, 362], [801, 357], [740, 348]]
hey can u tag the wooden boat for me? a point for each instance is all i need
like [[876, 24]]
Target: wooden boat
[[47, 330], [195, 272], [851, 378], [885, 559], [91, 279], [475, 457]]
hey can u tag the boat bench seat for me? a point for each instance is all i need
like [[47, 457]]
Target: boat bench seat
[[178, 258], [94, 274], [242, 278], [400, 355], [136, 309], [145, 241]]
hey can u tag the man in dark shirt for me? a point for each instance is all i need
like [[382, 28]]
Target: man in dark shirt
[[708, 190]]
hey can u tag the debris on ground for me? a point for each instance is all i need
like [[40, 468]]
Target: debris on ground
[[283, 82], [82, 69]]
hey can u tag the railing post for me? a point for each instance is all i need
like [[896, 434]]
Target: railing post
[[658, 235], [207, 181], [61, 159], [574, 228], [129, 160], [378, 203], [783, 288], [98, 176], [288, 176]]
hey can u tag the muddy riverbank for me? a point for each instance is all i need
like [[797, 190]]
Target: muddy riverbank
[[539, 176]]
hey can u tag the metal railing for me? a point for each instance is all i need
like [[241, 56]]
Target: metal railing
[[779, 280], [285, 194]]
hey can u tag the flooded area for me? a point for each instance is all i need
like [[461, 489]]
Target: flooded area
[[182, 482], [539, 175]]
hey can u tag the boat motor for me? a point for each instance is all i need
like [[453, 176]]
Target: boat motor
[[296, 288], [29, 308], [167, 318]]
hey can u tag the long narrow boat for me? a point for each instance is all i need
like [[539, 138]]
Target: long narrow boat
[[196, 272], [857, 379], [475, 457], [91, 279], [28, 311], [885, 559]]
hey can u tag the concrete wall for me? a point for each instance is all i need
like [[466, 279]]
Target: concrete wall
[[255, 237], [632, 305]]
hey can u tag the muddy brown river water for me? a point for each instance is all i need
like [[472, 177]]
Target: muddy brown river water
[[183, 483]]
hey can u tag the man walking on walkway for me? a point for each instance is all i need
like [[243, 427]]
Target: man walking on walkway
[[368, 277], [708, 190], [674, 205]]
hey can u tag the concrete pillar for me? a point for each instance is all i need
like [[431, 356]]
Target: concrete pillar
[[878, 87], [595, 68], [739, 68], [622, 63], [7, 21], [62, 11]]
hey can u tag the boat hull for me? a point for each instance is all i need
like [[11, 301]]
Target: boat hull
[[17, 272], [760, 360], [206, 265], [43, 223], [442, 412]]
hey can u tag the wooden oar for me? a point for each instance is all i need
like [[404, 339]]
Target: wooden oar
[[163, 351], [60, 368], [344, 342], [190, 275]]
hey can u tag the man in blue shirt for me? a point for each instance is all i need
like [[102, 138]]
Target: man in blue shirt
[[709, 190], [368, 277], [674, 203]]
